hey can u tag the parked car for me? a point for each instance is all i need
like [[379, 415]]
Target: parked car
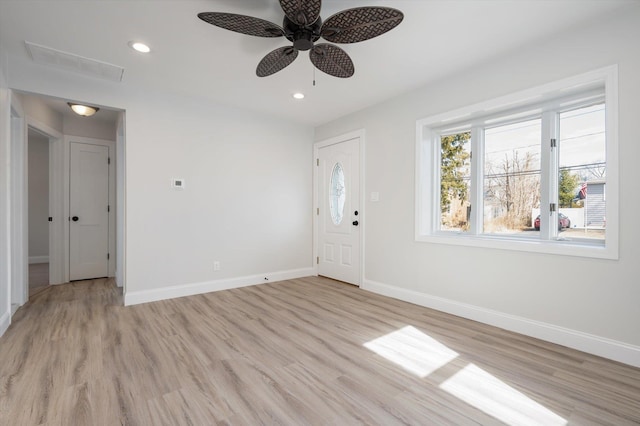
[[563, 222]]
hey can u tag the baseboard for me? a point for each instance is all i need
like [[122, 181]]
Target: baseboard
[[38, 259], [137, 297], [595, 345], [5, 322]]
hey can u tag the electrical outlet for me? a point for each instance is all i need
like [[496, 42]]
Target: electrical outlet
[[216, 265]]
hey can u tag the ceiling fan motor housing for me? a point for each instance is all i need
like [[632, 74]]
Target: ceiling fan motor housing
[[303, 37]]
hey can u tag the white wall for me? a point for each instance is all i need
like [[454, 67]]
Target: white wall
[[5, 141], [91, 127], [36, 109], [589, 299], [38, 197], [247, 200]]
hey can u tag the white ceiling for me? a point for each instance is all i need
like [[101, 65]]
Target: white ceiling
[[192, 58]]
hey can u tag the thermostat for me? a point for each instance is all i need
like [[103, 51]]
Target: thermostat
[[177, 183]]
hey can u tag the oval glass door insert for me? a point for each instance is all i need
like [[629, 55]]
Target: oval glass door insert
[[337, 194]]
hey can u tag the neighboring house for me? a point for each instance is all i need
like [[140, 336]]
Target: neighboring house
[[594, 204]]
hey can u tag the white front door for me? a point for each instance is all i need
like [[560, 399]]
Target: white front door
[[88, 211], [339, 218]]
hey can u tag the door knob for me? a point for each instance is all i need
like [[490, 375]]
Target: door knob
[[355, 223], [75, 218]]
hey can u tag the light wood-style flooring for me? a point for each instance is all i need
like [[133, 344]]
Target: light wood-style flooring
[[307, 351], [38, 277]]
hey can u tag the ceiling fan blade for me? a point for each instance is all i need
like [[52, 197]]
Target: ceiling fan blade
[[242, 24], [302, 12], [332, 60], [360, 23], [276, 60]]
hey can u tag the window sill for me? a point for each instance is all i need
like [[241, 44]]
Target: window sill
[[563, 247]]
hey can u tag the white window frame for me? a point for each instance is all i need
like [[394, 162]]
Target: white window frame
[[521, 105]]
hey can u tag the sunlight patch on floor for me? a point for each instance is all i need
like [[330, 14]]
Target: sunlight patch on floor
[[412, 350], [420, 354], [480, 389]]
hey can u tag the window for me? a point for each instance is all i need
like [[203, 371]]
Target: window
[[337, 194], [455, 179], [526, 172], [511, 178]]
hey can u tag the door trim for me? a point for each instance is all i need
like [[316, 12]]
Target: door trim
[[360, 134], [18, 204]]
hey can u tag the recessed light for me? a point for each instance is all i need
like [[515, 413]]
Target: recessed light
[[298, 95], [140, 47]]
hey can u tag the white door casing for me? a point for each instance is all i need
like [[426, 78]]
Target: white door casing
[[339, 218], [88, 211], [19, 230]]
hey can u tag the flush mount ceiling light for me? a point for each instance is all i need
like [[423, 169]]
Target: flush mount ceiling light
[[139, 47], [83, 110], [298, 95]]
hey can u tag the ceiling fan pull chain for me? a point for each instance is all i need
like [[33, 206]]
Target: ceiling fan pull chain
[[314, 76]]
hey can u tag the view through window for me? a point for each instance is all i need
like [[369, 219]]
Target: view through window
[[511, 178]]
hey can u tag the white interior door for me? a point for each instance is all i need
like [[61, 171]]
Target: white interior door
[[88, 211], [338, 211]]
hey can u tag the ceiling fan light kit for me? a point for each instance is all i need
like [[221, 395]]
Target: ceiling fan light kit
[[303, 27]]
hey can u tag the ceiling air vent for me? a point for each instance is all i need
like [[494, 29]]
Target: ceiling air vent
[[70, 62]]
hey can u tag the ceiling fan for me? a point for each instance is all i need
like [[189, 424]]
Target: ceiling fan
[[303, 26]]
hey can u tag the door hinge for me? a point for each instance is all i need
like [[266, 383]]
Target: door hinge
[[553, 143], [108, 160], [318, 211], [50, 219], [108, 208], [108, 256], [317, 161], [552, 207], [471, 155], [317, 260]]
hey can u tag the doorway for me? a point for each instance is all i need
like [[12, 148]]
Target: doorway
[[38, 199], [104, 128], [26, 112], [339, 216]]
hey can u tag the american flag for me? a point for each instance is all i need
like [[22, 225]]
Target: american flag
[[582, 194]]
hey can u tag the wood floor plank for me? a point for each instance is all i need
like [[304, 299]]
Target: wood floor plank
[[308, 351]]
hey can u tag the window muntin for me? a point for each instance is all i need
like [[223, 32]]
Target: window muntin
[[549, 103]]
